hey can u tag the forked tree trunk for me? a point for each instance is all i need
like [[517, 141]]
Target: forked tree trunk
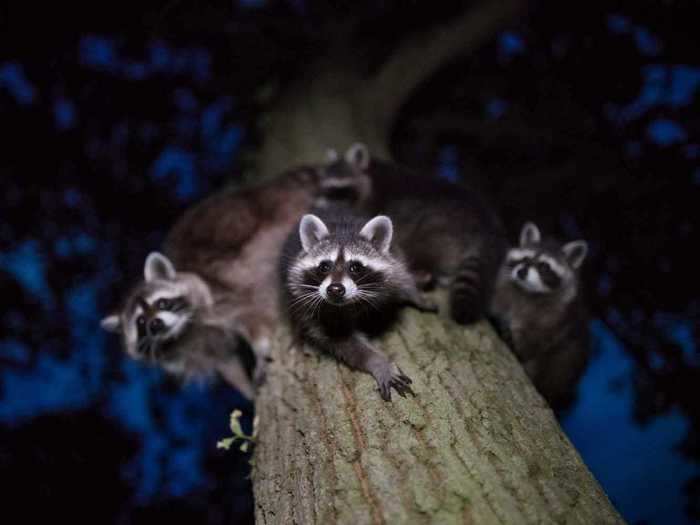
[[477, 444]]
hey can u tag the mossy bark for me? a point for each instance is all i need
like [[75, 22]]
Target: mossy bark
[[477, 444]]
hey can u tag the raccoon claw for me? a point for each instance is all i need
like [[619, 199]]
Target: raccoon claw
[[398, 381]]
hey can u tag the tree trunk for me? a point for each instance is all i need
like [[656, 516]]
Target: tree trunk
[[477, 444]]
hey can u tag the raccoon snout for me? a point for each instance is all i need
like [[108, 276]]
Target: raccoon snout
[[336, 290], [156, 325]]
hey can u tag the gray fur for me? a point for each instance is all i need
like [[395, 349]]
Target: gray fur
[[543, 317]]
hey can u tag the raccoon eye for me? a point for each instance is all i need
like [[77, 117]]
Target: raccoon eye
[[141, 321], [324, 267], [164, 304], [356, 267]]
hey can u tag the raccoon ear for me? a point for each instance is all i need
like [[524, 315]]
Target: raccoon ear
[[530, 234], [358, 155], [311, 230], [575, 252], [379, 232], [331, 155], [158, 266], [111, 323]]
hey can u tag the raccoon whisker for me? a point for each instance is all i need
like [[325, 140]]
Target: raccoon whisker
[[317, 306], [370, 303], [302, 297], [302, 300], [368, 298], [309, 302], [365, 276]]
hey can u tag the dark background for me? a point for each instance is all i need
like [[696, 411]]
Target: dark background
[[584, 118]]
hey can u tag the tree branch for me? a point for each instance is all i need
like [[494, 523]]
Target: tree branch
[[422, 55], [476, 445]]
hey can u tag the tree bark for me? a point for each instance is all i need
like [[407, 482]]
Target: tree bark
[[476, 445]]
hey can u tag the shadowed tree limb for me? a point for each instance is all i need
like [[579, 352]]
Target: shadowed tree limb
[[420, 56]]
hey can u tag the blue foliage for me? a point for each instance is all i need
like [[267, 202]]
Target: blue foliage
[[64, 113], [103, 54], [26, 262], [647, 44], [666, 132], [447, 164], [619, 24], [510, 44], [178, 167], [13, 79], [52, 384], [672, 86], [98, 52], [496, 107]]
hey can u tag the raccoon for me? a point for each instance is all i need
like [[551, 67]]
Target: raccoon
[[221, 256], [540, 311], [178, 320], [345, 180], [340, 277], [450, 235]]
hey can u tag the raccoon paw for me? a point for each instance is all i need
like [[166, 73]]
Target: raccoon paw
[[393, 377]]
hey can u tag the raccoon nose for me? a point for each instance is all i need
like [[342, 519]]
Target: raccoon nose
[[156, 325], [336, 290], [522, 273]]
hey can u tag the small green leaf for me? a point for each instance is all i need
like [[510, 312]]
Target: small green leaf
[[225, 443], [244, 446], [236, 424]]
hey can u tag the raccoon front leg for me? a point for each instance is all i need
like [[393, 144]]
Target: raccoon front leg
[[357, 353]]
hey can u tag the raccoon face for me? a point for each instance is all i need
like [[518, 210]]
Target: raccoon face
[[156, 312], [544, 269], [345, 179], [341, 273]]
